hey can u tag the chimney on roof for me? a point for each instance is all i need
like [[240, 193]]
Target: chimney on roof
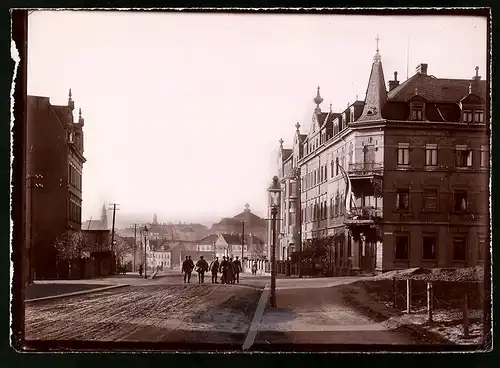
[[422, 69], [394, 83], [477, 76]]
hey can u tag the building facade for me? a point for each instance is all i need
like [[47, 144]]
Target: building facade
[[55, 145], [398, 180], [229, 245]]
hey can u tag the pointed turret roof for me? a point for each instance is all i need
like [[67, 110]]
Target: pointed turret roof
[[376, 94]]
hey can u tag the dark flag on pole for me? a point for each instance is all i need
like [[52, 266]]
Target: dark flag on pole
[[348, 200]]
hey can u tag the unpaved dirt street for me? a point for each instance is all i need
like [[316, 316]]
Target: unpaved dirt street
[[148, 313]]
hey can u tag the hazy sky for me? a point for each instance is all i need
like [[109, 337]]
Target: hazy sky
[[183, 112]]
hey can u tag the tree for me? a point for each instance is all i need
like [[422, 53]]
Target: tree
[[316, 254], [70, 244], [122, 247]]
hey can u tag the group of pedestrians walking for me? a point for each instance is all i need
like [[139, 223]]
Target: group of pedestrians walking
[[230, 270]]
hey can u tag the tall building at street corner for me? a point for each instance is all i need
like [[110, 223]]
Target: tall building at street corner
[[415, 192], [54, 165]]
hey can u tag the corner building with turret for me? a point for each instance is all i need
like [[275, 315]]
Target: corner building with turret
[[416, 158]]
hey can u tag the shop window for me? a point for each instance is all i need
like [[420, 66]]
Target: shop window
[[429, 245], [402, 247], [460, 249]]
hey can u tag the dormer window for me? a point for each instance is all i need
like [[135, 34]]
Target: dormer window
[[352, 114], [335, 126], [417, 112], [478, 116], [467, 116]]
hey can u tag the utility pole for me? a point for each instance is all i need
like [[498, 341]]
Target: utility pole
[[135, 244], [242, 240], [112, 206], [274, 212], [145, 251]]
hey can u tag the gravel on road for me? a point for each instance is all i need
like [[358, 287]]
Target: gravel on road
[[179, 312]]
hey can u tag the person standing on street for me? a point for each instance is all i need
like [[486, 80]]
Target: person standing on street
[[223, 270], [230, 271], [186, 270], [237, 269], [191, 264], [254, 268], [214, 268], [201, 268]]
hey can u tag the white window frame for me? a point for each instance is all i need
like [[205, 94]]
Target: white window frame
[[403, 154], [463, 148], [485, 157], [431, 151], [467, 116]]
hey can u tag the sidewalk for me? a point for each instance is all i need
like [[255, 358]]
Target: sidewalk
[[312, 311]]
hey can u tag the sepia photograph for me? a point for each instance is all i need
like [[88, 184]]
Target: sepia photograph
[[251, 181]]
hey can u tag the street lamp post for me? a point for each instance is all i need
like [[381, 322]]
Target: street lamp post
[[145, 231], [274, 201]]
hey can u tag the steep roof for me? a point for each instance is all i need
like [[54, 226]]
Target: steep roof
[[62, 113], [437, 89], [376, 94], [208, 239], [236, 239], [328, 121], [158, 245], [286, 153]]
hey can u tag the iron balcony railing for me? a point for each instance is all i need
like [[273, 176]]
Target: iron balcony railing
[[365, 213], [365, 168]]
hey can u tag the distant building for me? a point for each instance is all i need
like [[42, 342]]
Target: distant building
[[159, 255], [101, 224], [55, 160], [253, 224], [219, 245], [398, 180]]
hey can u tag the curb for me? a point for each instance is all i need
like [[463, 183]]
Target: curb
[[257, 317], [75, 293]]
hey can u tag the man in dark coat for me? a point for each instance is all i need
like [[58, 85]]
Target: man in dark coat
[[186, 269], [237, 269], [223, 270], [230, 271], [214, 268], [201, 268]]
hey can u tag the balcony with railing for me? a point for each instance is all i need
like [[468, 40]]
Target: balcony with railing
[[365, 169], [363, 215]]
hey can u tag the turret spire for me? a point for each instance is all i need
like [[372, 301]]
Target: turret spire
[[281, 142], [318, 100], [71, 103], [376, 93], [297, 126], [377, 56], [104, 217]]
